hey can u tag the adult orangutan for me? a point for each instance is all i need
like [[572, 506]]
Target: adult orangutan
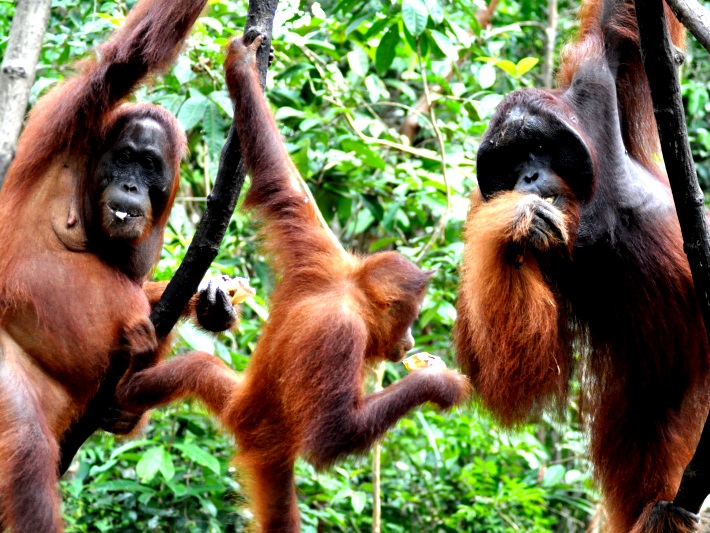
[[573, 246], [82, 214]]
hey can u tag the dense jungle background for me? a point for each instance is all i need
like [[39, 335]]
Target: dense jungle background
[[382, 104]]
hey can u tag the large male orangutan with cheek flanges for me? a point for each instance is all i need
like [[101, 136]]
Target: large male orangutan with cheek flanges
[[573, 245]]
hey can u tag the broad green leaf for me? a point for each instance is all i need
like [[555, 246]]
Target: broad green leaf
[[486, 76], [358, 499], [387, 49], [213, 23], [436, 12], [363, 219], [379, 244], [129, 446], [221, 98], [183, 70], [192, 111], [507, 66], [358, 62], [446, 45], [149, 463], [198, 455], [525, 64], [365, 153], [195, 338], [415, 15], [167, 468], [553, 475], [212, 130], [287, 112]]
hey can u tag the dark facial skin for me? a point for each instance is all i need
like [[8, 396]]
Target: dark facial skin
[[134, 180], [400, 349]]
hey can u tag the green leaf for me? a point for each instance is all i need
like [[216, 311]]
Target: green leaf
[[387, 49], [195, 338], [525, 64], [508, 66], [149, 463], [192, 111], [486, 76], [363, 219], [198, 455], [183, 70], [415, 15], [287, 112], [212, 130], [167, 468], [553, 475], [446, 45], [358, 62], [358, 499], [365, 153], [436, 12], [221, 98]]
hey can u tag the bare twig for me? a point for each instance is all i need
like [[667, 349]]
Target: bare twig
[[441, 224], [17, 73], [550, 39]]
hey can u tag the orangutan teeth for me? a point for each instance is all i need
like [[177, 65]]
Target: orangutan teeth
[[550, 199], [121, 214]]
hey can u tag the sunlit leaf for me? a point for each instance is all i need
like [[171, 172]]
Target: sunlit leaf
[[415, 15], [525, 64], [149, 463], [486, 76], [198, 455]]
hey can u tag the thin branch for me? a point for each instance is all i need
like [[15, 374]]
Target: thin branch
[[378, 374], [662, 73], [17, 73], [442, 154], [550, 39], [693, 16]]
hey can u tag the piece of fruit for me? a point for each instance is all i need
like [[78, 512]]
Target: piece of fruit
[[422, 360]]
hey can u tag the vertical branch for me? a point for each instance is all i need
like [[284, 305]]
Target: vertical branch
[[378, 374], [662, 73], [550, 39], [221, 201], [17, 73], [441, 225]]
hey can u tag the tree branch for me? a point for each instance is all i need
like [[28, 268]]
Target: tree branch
[[17, 73], [220, 202], [548, 68], [658, 59], [693, 16]]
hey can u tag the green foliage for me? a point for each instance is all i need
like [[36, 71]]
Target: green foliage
[[347, 74]]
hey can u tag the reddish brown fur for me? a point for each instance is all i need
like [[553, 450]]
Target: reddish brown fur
[[497, 296], [64, 311], [331, 314], [622, 298]]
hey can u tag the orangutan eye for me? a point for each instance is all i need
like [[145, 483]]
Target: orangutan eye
[[123, 157]]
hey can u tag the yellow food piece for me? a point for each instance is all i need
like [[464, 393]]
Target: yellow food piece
[[422, 360], [238, 289]]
